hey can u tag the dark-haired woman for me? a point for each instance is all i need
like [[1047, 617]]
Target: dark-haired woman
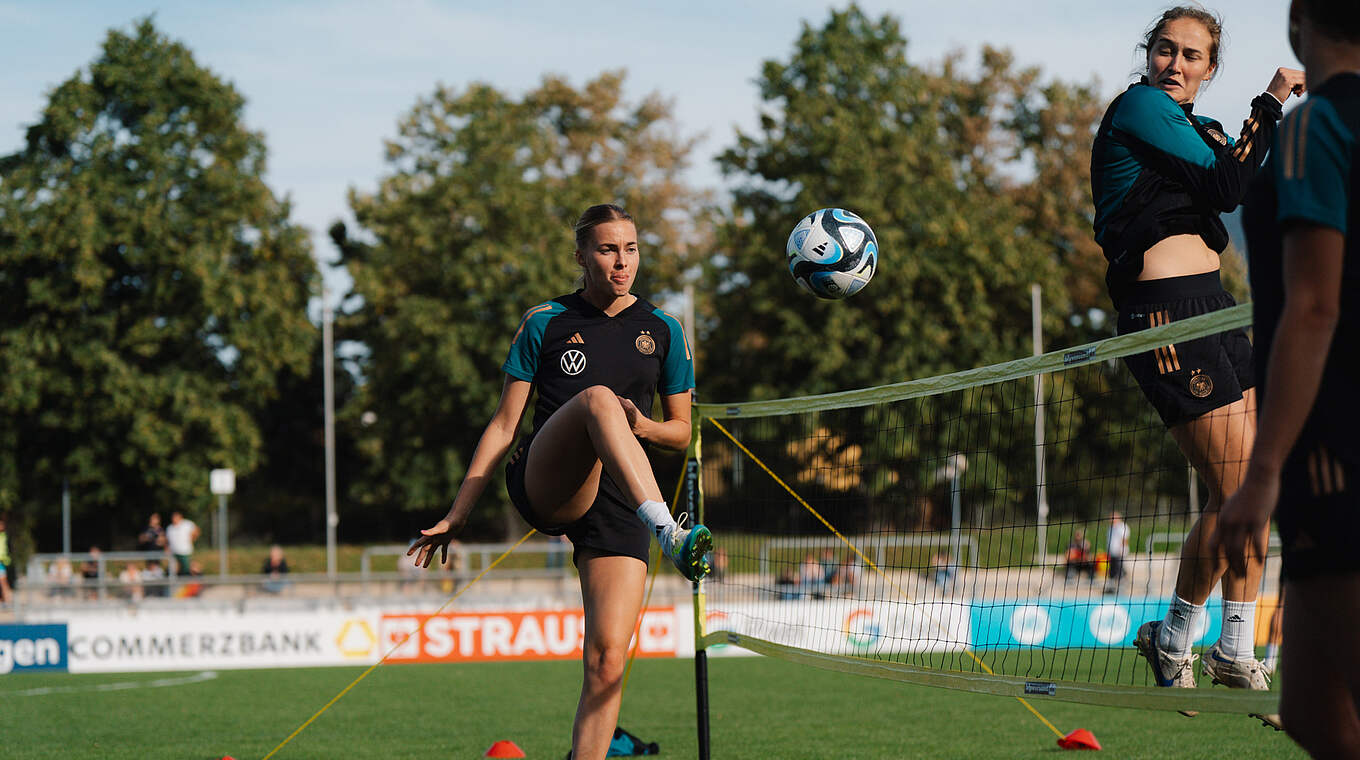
[[596, 358], [1305, 275], [1160, 176]]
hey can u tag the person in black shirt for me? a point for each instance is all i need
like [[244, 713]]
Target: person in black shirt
[[596, 358], [1305, 274], [1160, 176]]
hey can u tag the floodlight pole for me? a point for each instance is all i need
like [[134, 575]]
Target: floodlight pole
[[222, 483], [222, 535], [1040, 474], [328, 391], [65, 516]]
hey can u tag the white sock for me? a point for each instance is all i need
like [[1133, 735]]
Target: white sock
[[657, 516], [1238, 639], [1178, 628], [1272, 656]]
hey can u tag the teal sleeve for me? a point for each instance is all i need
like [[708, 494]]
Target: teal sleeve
[[677, 369], [1154, 118], [522, 363], [1313, 165]]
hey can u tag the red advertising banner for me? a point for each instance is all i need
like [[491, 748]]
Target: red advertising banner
[[518, 635]]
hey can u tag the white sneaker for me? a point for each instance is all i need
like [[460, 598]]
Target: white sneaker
[[1166, 670], [1235, 674], [1240, 674]]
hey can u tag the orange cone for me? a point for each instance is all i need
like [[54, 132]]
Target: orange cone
[[504, 748], [1079, 739]]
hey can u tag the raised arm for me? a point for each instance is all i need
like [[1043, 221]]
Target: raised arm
[[492, 447], [1161, 134]]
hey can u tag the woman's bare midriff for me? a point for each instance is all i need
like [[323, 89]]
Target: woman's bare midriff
[[1178, 256]]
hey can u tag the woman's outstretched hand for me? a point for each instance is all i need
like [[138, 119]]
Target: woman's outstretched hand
[[431, 540]]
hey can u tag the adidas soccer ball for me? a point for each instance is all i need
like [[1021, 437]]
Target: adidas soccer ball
[[832, 253]]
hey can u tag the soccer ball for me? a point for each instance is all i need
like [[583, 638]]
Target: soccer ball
[[832, 253]]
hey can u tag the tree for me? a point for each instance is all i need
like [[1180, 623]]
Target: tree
[[472, 227], [153, 291], [933, 161], [977, 185]]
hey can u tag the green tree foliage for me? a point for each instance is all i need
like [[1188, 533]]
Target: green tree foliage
[[471, 227], [976, 181], [152, 292], [936, 161]]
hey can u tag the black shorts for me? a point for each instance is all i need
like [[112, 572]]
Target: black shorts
[[1187, 380], [1319, 511], [611, 526]]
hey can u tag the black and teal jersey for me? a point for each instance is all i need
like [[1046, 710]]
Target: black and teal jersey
[[566, 345], [1313, 179], [1158, 170]]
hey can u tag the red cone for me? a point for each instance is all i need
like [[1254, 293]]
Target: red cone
[[504, 748], [1079, 739]]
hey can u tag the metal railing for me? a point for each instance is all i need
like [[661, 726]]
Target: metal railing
[[56, 579]]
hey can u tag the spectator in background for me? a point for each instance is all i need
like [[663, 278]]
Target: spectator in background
[[557, 551], [152, 537], [131, 580], [180, 537], [153, 577], [194, 587], [453, 565], [1117, 550], [411, 576], [810, 577], [942, 571], [786, 584], [1080, 559], [60, 578], [5, 592], [719, 563], [90, 574], [276, 568]]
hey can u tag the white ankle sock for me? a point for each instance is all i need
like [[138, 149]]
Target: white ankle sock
[[1178, 628], [657, 516], [1238, 639]]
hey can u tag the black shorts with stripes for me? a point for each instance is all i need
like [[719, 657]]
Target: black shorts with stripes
[[1186, 380], [610, 526], [1319, 513]]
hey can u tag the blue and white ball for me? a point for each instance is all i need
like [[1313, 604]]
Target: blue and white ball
[[832, 253]]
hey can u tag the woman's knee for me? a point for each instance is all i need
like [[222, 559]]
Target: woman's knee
[[599, 399], [604, 663]]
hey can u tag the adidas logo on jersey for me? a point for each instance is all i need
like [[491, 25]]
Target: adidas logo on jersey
[[576, 338], [1235, 619]]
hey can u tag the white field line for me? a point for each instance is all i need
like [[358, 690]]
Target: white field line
[[206, 675]]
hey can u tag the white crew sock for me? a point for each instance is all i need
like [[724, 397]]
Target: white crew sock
[[657, 516], [1272, 657], [1178, 628], [1238, 639]]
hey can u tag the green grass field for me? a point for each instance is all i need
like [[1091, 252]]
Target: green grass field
[[761, 708]]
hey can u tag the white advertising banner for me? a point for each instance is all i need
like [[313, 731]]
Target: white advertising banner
[[185, 642], [848, 627]]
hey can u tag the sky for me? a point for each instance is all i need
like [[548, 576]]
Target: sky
[[326, 82]]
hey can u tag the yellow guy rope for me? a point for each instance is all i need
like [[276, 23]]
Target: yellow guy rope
[[398, 645], [865, 559]]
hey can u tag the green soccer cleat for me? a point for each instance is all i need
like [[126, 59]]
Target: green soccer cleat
[[688, 550]]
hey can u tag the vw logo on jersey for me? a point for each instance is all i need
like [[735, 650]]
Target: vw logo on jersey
[[573, 362]]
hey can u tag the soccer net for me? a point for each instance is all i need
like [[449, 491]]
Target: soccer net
[[932, 532]]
